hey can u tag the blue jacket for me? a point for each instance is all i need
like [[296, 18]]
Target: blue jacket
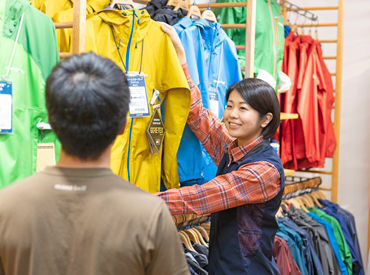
[[213, 66], [333, 241]]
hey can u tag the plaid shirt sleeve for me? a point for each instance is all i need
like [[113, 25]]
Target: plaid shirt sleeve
[[252, 183], [205, 125]]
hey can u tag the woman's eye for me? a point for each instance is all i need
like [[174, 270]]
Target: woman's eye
[[229, 106], [243, 108]]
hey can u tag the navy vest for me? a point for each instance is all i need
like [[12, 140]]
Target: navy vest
[[242, 238]]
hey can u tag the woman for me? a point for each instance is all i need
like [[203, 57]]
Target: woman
[[246, 193]]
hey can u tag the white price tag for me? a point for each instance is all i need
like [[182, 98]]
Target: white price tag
[[139, 106], [213, 101], [6, 107]]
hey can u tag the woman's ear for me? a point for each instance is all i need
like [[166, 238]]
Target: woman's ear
[[266, 120]]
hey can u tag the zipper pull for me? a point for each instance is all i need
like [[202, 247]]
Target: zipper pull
[[136, 45]]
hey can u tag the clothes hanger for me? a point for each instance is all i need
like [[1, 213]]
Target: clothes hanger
[[192, 236], [194, 11], [179, 4], [120, 4], [314, 199], [185, 240], [204, 233], [209, 15], [200, 237]]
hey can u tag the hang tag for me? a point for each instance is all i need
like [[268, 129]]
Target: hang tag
[[139, 106], [155, 131], [6, 107], [213, 100], [45, 155]]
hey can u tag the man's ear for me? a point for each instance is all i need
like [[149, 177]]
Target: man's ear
[[266, 120], [123, 128]]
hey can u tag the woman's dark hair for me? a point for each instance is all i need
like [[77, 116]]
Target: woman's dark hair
[[262, 97], [87, 97]]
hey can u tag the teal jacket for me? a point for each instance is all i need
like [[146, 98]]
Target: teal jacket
[[269, 38], [36, 53]]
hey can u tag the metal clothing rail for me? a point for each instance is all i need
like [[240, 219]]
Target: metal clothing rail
[[301, 11]]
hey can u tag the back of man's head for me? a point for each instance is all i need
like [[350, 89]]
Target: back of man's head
[[87, 97]]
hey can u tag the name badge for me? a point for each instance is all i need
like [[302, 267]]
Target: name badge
[[139, 106], [6, 107]]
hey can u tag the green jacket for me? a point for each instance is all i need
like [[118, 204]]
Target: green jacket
[[338, 233], [269, 38], [35, 56]]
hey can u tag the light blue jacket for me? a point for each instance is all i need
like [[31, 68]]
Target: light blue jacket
[[213, 65]]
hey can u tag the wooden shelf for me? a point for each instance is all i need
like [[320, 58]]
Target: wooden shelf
[[284, 116], [289, 172]]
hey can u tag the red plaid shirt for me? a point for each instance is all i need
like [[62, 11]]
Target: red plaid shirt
[[255, 182]]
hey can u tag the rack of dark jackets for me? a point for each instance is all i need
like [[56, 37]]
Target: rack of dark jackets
[[317, 237]]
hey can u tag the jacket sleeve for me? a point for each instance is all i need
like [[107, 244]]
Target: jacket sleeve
[[176, 110], [205, 125]]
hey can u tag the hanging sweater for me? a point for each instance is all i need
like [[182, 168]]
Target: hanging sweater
[[141, 40], [36, 53]]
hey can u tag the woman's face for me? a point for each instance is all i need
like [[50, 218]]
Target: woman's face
[[241, 120]]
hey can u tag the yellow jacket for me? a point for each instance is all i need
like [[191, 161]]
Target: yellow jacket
[[52, 7], [64, 36], [131, 150]]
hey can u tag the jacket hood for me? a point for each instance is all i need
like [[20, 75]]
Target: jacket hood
[[210, 32], [125, 21], [12, 16], [95, 5]]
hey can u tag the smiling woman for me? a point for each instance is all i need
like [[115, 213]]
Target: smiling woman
[[246, 193], [252, 109]]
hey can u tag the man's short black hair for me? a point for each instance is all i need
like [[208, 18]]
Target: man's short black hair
[[87, 97], [262, 97]]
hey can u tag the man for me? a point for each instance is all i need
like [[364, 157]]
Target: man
[[78, 217]]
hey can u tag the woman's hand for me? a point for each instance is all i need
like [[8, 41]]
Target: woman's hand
[[175, 40]]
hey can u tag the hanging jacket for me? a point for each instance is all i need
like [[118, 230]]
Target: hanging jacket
[[213, 66], [269, 37], [36, 53], [64, 36], [141, 40], [52, 7]]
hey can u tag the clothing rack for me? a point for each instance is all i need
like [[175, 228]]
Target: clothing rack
[[338, 79], [300, 11], [190, 220]]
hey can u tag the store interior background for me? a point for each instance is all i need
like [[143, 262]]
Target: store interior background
[[354, 143]]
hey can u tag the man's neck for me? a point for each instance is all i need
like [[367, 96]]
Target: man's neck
[[68, 161]]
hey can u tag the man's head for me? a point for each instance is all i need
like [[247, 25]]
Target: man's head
[[87, 97]]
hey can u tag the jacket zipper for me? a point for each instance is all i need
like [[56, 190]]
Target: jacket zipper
[[273, 38], [132, 119]]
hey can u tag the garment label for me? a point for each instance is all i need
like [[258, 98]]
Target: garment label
[[45, 155], [6, 107], [139, 106], [213, 101], [155, 131]]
